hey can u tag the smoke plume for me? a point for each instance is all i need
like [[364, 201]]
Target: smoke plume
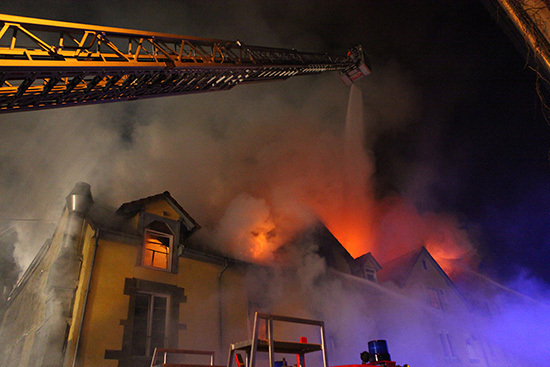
[[261, 162]]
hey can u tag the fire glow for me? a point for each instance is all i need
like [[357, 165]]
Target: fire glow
[[328, 175]]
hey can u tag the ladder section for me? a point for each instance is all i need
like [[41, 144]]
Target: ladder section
[[271, 346], [47, 64]]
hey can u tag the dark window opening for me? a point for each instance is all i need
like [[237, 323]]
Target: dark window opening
[[149, 329], [370, 274], [153, 321], [435, 299]]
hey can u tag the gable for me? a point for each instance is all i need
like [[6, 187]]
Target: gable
[[162, 206], [414, 267], [427, 271], [399, 269], [324, 244]]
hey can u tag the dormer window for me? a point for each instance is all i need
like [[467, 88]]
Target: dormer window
[[370, 274], [366, 267], [158, 246], [162, 225]]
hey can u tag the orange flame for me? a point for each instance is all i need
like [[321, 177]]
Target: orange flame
[[262, 244], [352, 230]]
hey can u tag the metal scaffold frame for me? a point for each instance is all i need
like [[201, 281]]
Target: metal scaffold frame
[[271, 346], [47, 64]]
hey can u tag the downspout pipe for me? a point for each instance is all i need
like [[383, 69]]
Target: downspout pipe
[[220, 311]]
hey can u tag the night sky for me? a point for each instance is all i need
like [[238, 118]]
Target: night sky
[[459, 124]]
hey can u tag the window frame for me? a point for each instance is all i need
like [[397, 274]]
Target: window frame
[[170, 236], [435, 298], [133, 286], [370, 274], [150, 318], [447, 346], [173, 227]]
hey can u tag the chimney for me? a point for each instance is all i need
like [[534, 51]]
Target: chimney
[[80, 199]]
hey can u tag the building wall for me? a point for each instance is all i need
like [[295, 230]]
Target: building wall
[[212, 305], [81, 296], [447, 322], [198, 325], [27, 312]]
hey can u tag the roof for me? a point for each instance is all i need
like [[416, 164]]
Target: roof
[[28, 273], [368, 258], [107, 218], [478, 288], [399, 269], [327, 247], [133, 207]]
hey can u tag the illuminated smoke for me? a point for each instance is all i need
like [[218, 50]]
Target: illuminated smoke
[[348, 212], [401, 228], [9, 269], [271, 158], [247, 229], [387, 227]]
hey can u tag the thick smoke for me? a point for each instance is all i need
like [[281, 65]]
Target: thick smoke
[[9, 268], [281, 144], [267, 158], [500, 324], [511, 316]]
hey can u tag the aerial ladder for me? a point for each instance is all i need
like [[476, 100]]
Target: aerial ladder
[[50, 64]]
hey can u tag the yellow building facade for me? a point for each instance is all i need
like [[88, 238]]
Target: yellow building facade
[[109, 287], [118, 304]]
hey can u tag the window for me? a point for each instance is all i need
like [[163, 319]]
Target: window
[[448, 350], [370, 274], [153, 321], [149, 330], [424, 264], [157, 250], [161, 238], [434, 297], [471, 351]]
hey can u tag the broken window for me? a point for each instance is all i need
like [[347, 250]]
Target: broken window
[[157, 249]]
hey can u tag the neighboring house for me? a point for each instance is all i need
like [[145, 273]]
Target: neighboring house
[[451, 324], [110, 286]]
